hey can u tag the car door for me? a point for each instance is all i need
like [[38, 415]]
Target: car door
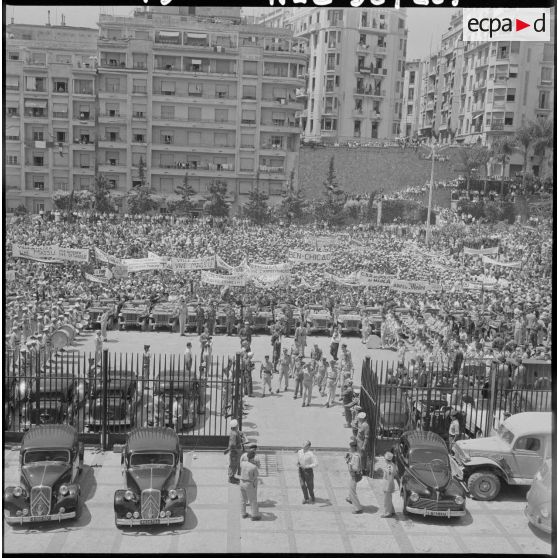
[[528, 453]]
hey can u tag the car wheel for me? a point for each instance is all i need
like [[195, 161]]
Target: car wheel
[[484, 485]]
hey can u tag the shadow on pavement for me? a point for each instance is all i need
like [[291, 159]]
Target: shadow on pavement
[[541, 535], [187, 482], [267, 516], [267, 504], [325, 502]]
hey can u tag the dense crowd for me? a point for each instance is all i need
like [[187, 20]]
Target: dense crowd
[[510, 315]]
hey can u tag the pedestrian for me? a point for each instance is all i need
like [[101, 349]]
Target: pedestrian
[[276, 345], [104, 324], [355, 476], [248, 368], [284, 368], [298, 373], [210, 318], [249, 486], [335, 340], [347, 368], [251, 446], [188, 359], [331, 383], [307, 462], [348, 402], [183, 316], [300, 338], [454, 431], [388, 485], [307, 383], [266, 370], [231, 319], [98, 346], [234, 449], [363, 436], [322, 372], [200, 318], [204, 340]]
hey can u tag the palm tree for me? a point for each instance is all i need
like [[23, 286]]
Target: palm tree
[[543, 136], [502, 149], [471, 158], [524, 137]]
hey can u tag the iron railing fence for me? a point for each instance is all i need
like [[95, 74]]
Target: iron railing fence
[[108, 394]]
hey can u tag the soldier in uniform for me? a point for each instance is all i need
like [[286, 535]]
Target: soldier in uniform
[[231, 319], [355, 476], [363, 436], [211, 317], [200, 318], [234, 449], [389, 485], [284, 368], [183, 316]]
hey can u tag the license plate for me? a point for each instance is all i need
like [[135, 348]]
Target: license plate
[[38, 518], [149, 521], [438, 513]]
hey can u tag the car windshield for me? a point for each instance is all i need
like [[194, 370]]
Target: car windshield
[[37, 456], [429, 458], [154, 458], [505, 434]]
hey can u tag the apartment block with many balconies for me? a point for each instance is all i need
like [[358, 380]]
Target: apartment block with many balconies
[[49, 112], [411, 98]]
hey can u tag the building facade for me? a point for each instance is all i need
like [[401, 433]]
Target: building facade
[[354, 88], [412, 87], [187, 93]]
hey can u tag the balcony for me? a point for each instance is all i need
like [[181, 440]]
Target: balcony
[[264, 169], [112, 116], [113, 63], [116, 166], [40, 64], [167, 67], [84, 92], [139, 90], [275, 148], [83, 117], [479, 85], [277, 125], [367, 92], [113, 142], [380, 50], [61, 115], [495, 126], [363, 47], [31, 114]]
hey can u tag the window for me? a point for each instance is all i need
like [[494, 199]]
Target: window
[[543, 99], [12, 83], [61, 137], [510, 96], [546, 75], [168, 88], [194, 138], [374, 130], [195, 114], [331, 61], [13, 55], [35, 84], [249, 68], [39, 182], [38, 135], [221, 115], [84, 112], [12, 111], [249, 92], [246, 164], [167, 112], [84, 161], [401, 23], [247, 140], [113, 85], [139, 61], [195, 90], [11, 160], [409, 110], [138, 136], [167, 137], [411, 78], [356, 129], [508, 119], [221, 139], [410, 94], [60, 86], [527, 443], [329, 124], [139, 86], [248, 117], [221, 91], [113, 109]]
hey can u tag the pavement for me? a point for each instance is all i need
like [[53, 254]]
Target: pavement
[[214, 525]]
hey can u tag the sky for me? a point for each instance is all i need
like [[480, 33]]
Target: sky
[[425, 25]]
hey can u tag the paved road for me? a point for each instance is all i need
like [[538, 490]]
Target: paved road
[[214, 524]]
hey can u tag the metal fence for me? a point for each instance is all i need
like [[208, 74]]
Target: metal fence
[[105, 395], [394, 405]]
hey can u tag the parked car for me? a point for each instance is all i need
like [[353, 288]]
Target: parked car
[[394, 416], [191, 322], [480, 419], [319, 319], [50, 459], [513, 456], [349, 320], [263, 318], [97, 308], [122, 402], [134, 313], [429, 410], [539, 499], [426, 482], [152, 465], [165, 314], [168, 385], [375, 318]]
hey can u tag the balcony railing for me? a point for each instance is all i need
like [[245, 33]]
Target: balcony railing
[[36, 90], [113, 114], [33, 114], [271, 146], [272, 170], [369, 92], [197, 166], [56, 114], [83, 92], [114, 139], [139, 90]]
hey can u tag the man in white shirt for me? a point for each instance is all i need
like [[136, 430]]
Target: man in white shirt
[[307, 462]]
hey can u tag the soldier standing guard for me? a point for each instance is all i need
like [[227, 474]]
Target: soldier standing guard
[[389, 485], [231, 318], [200, 318], [183, 316], [211, 317], [234, 449]]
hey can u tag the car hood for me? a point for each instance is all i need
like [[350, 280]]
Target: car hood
[[318, 316], [45, 474], [349, 317], [150, 477], [433, 479], [478, 447]]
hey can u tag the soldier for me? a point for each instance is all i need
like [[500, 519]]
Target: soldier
[[231, 319], [284, 368], [211, 317], [276, 345], [234, 451], [363, 436], [267, 370], [331, 383], [289, 326], [245, 334], [249, 486], [183, 316], [354, 467], [200, 318], [104, 323], [389, 485]]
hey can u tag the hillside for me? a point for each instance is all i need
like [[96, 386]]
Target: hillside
[[365, 169]]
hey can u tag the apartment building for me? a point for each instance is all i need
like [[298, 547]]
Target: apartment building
[[354, 87], [49, 112], [190, 93], [412, 87], [474, 92]]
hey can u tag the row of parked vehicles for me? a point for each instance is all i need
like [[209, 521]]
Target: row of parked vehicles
[[435, 481], [170, 399], [432, 482], [146, 315]]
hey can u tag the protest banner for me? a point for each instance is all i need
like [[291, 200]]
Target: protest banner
[[414, 286], [106, 258], [95, 278], [310, 257], [120, 271], [142, 264], [480, 251], [257, 267], [73, 254], [210, 278], [182, 265], [491, 261], [42, 254]]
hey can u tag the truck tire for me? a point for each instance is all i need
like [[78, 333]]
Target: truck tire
[[484, 485]]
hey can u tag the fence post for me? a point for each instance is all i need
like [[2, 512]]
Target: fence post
[[105, 364], [237, 399], [492, 402]]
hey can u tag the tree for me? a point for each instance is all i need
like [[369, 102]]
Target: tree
[[294, 203], [72, 201], [186, 192], [102, 202], [140, 200], [216, 205], [543, 136], [502, 149], [524, 137], [335, 197], [471, 158], [370, 207], [257, 209]]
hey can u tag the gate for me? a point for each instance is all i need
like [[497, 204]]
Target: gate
[[104, 396], [369, 404], [482, 398]]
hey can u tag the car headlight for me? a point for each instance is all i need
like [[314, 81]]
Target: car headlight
[[173, 495], [544, 512], [459, 500], [128, 495], [414, 497], [18, 491], [63, 490]]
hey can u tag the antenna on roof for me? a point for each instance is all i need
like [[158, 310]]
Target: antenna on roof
[[48, 15]]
